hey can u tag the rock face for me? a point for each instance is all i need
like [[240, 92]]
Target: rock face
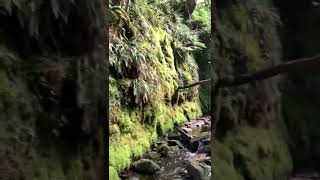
[[51, 106], [197, 170], [301, 90], [246, 40], [146, 166], [145, 72]]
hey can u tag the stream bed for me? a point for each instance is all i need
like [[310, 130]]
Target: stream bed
[[184, 154]]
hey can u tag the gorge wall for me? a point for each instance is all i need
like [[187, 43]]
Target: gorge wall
[[262, 130], [301, 90], [151, 54], [268, 129], [51, 109]]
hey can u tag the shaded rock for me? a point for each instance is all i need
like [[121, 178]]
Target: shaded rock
[[164, 150], [196, 141], [206, 141], [173, 135], [175, 143], [186, 129], [146, 166], [206, 127], [160, 142], [133, 178], [205, 149], [198, 171], [152, 155]]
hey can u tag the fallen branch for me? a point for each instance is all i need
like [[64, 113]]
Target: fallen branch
[[297, 65], [195, 84]]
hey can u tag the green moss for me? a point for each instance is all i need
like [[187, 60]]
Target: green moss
[[255, 153], [223, 170], [192, 109], [122, 149], [113, 175], [239, 17], [135, 126], [8, 93]]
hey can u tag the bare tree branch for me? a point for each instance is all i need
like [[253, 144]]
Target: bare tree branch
[[297, 65], [195, 84]]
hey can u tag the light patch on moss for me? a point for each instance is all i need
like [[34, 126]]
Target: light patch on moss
[[122, 149], [113, 175]]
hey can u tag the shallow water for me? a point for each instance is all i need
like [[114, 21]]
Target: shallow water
[[173, 167]]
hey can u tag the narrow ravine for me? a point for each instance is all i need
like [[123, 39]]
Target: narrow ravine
[[182, 154]]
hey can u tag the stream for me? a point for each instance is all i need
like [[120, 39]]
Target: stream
[[182, 155]]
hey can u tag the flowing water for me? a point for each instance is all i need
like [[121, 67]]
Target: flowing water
[[174, 167]]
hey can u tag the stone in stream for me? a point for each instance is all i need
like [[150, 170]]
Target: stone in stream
[[206, 146], [152, 155], [146, 166], [195, 142], [205, 149], [173, 136], [164, 150], [175, 143], [198, 170]]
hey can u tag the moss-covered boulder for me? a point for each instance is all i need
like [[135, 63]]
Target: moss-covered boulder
[[146, 166]]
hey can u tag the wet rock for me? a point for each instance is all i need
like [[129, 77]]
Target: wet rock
[[206, 127], [186, 129], [133, 178], [173, 136], [196, 141], [206, 141], [198, 157], [164, 150], [146, 166], [175, 143], [152, 155], [198, 171], [205, 149], [160, 142]]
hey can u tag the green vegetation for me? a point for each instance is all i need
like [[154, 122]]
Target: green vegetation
[[253, 153], [202, 13], [113, 175], [151, 54]]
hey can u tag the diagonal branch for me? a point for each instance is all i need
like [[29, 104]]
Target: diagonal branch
[[297, 65], [195, 84]]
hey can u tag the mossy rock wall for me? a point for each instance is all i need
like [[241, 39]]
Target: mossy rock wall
[[147, 66], [301, 90], [46, 133], [252, 139]]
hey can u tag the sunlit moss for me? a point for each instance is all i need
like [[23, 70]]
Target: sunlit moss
[[113, 175], [135, 126]]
